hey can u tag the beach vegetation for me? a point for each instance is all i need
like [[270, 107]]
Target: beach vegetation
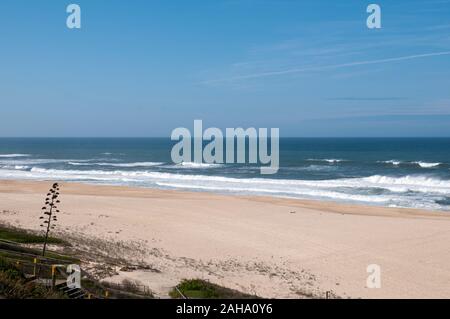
[[49, 211], [20, 236], [202, 289], [13, 285]]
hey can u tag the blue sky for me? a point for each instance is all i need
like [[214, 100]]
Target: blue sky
[[143, 68]]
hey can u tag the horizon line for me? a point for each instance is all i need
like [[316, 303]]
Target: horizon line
[[168, 137]]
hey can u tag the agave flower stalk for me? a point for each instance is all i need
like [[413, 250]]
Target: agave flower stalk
[[49, 213]]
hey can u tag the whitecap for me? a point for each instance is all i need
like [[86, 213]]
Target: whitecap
[[136, 164], [14, 155], [198, 165], [328, 160], [427, 165], [311, 168], [393, 162], [17, 167]]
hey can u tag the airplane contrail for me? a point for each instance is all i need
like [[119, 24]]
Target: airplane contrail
[[336, 66]]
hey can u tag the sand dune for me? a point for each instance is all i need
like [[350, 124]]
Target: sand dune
[[267, 246]]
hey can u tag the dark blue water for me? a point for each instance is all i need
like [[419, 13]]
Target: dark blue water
[[387, 172]]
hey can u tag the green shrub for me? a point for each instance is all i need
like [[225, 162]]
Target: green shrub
[[201, 289], [25, 237], [18, 288], [9, 269]]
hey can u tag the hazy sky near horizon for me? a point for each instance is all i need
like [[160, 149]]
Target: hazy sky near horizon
[[143, 68]]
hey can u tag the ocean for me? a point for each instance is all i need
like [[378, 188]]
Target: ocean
[[393, 172]]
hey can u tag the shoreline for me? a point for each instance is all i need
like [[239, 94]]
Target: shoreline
[[274, 247], [81, 188]]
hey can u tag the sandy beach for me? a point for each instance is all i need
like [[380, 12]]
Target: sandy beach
[[271, 247]]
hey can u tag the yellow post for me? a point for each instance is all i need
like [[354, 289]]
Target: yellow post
[[34, 267], [106, 294], [53, 275], [89, 296]]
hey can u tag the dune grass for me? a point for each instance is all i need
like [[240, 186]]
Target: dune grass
[[13, 285], [202, 289], [25, 237], [12, 240]]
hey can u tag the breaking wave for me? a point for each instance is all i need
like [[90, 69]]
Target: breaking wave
[[418, 163], [404, 191], [13, 155], [331, 160], [196, 165], [427, 165], [137, 164]]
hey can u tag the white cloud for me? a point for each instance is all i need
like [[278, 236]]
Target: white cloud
[[327, 67]]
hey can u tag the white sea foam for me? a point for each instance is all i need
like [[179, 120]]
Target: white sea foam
[[406, 191], [18, 167], [393, 162], [311, 168], [301, 192], [197, 165], [427, 165], [28, 161], [420, 163], [328, 160], [41, 161], [136, 164], [372, 181], [14, 155]]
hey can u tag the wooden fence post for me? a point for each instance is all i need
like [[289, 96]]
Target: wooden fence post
[[53, 276], [34, 267]]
